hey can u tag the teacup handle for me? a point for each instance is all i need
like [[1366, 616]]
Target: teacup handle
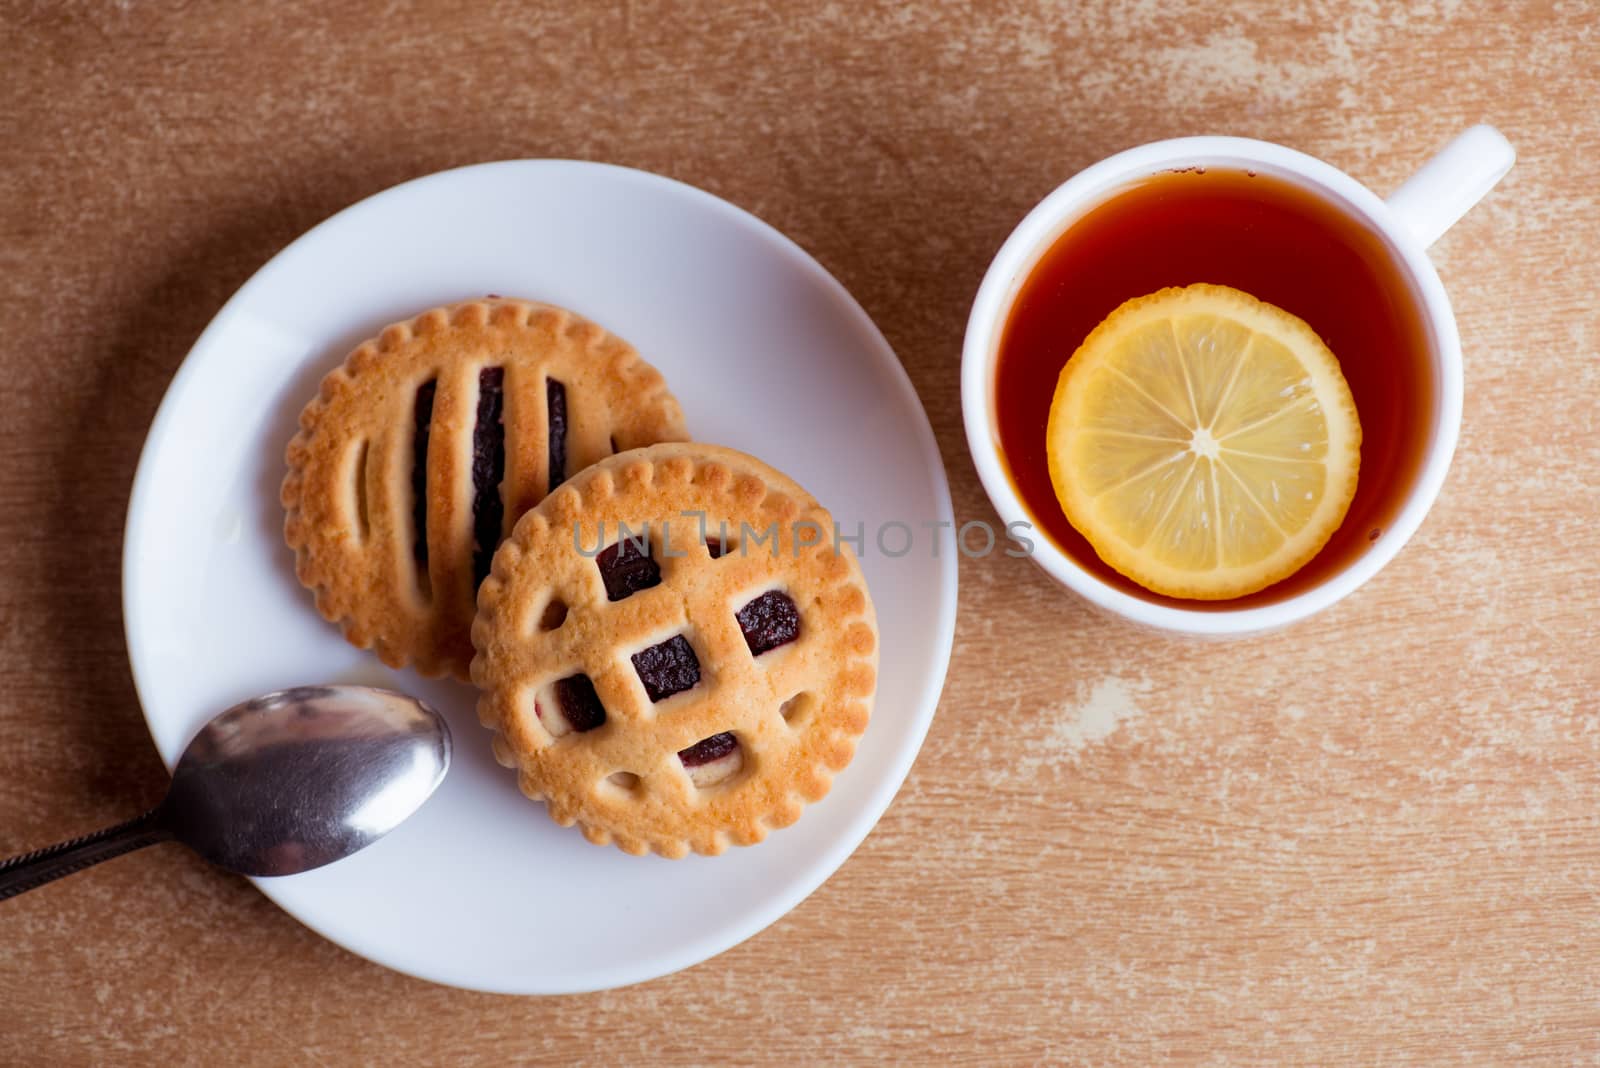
[[1449, 184]]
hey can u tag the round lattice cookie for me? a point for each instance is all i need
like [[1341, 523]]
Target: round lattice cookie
[[686, 682], [425, 447]]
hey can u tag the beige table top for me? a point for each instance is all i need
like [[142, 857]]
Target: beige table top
[[1372, 838]]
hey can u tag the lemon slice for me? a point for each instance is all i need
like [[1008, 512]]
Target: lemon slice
[[1204, 442]]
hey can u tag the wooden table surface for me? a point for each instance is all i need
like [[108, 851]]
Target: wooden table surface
[[1372, 839]]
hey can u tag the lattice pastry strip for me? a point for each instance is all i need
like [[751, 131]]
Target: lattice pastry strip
[[420, 452], [672, 697]]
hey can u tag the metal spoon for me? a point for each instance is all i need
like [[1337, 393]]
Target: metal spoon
[[278, 785]]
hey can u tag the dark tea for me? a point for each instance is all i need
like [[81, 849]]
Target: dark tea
[[1273, 239]]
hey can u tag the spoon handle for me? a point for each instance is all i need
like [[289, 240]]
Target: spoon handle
[[52, 862]]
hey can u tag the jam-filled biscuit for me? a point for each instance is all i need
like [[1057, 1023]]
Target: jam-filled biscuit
[[675, 650], [422, 450]]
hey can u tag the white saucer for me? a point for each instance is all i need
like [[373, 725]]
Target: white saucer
[[767, 353]]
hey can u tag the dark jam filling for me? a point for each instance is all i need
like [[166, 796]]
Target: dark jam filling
[[627, 567], [423, 417], [555, 397], [668, 668], [579, 703], [488, 470], [769, 621], [705, 751], [715, 547]]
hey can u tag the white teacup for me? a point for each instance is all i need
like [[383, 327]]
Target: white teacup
[[1410, 220]]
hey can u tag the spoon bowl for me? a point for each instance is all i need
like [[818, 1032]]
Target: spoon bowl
[[300, 778]]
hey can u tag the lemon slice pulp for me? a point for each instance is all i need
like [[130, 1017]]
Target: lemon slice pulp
[[1204, 442]]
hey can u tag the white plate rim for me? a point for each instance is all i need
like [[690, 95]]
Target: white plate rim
[[884, 791]]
